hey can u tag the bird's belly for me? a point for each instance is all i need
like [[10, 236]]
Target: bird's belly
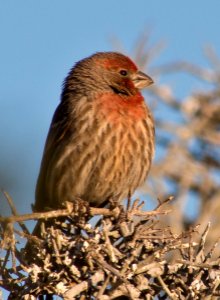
[[121, 166], [112, 164]]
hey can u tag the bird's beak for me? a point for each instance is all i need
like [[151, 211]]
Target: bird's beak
[[141, 80]]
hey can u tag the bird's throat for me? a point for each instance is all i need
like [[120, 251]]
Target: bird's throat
[[117, 108]]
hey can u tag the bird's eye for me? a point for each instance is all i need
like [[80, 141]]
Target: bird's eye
[[123, 72]]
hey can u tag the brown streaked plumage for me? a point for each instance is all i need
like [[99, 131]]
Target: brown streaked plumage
[[101, 140]]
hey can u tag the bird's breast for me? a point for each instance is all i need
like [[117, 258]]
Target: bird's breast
[[118, 108]]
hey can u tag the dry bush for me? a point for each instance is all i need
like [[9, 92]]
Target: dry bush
[[127, 254]]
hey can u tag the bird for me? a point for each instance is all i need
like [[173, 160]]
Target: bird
[[100, 143]]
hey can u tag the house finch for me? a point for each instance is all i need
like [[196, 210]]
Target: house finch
[[101, 140]]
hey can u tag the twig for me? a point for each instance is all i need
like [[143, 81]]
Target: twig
[[83, 286], [66, 212], [200, 265], [98, 259], [166, 289], [13, 210], [160, 203], [202, 242], [210, 253], [104, 286]]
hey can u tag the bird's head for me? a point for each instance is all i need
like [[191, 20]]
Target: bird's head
[[107, 72]]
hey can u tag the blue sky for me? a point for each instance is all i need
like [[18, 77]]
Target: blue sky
[[41, 40]]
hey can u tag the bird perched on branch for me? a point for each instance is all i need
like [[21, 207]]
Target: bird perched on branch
[[101, 140]]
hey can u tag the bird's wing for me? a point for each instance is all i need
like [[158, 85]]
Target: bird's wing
[[61, 129]]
